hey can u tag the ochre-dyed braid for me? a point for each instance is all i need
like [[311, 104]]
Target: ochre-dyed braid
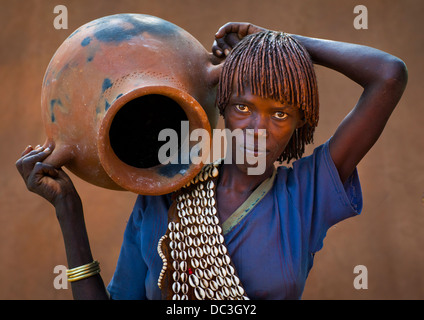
[[274, 65]]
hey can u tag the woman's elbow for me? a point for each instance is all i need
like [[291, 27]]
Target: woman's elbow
[[395, 73]]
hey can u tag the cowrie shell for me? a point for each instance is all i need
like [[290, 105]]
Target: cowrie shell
[[207, 274], [199, 273], [215, 172], [188, 241], [175, 265], [222, 249], [209, 293], [212, 241], [235, 280], [214, 270], [218, 262], [223, 272], [199, 220], [210, 184], [220, 238], [176, 287], [225, 292], [199, 293], [199, 252], [194, 263], [203, 238], [186, 232], [171, 226], [219, 296], [233, 292], [181, 246], [214, 250], [184, 288], [240, 290], [193, 280], [219, 281], [204, 202], [204, 283], [176, 276], [214, 285], [228, 282], [209, 230], [217, 229], [173, 245], [183, 255], [206, 249], [184, 221], [210, 259], [230, 269], [194, 230], [182, 213], [203, 263]]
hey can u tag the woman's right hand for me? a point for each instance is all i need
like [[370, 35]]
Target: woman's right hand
[[49, 182], [230, 34]]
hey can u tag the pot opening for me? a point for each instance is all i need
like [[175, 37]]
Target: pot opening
[[134, 130]]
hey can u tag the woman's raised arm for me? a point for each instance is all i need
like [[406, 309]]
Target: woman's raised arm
[[382, 76]]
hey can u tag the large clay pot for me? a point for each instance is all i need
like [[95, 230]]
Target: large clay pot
[[112, 86]]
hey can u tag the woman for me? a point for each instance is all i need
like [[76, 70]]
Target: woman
[[274, 222]]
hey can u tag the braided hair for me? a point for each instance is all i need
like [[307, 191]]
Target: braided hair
[[274, 65]]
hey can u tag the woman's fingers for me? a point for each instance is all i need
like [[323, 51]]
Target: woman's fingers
[[27, 150], [40, 171], [26, 163], [220, 48], [230, 34]]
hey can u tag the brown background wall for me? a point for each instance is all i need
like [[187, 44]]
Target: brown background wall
[[387, 238]]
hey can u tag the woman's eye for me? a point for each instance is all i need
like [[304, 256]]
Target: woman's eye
[[280, 115], [242, 108]]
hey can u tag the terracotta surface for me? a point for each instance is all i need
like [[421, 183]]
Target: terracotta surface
[[387, 238], [110, 88]]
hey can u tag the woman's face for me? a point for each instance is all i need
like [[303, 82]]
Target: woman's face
[[249, 111]]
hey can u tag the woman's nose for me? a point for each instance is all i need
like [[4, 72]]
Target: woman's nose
[[258, 125]]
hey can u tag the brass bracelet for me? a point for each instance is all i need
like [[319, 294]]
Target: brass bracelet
[[83, 272]]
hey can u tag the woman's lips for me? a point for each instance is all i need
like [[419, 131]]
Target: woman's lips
[[251, 150]]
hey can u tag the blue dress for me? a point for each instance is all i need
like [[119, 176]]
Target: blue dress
[[271, 238]]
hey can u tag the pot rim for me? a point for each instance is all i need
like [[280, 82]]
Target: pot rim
[[149, 181]]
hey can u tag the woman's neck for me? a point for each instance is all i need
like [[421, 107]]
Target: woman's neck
[[232, 178]]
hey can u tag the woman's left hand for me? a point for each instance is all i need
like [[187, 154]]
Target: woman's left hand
[[230, 34]]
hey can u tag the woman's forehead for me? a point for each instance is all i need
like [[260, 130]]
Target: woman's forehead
[[246, 94]]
